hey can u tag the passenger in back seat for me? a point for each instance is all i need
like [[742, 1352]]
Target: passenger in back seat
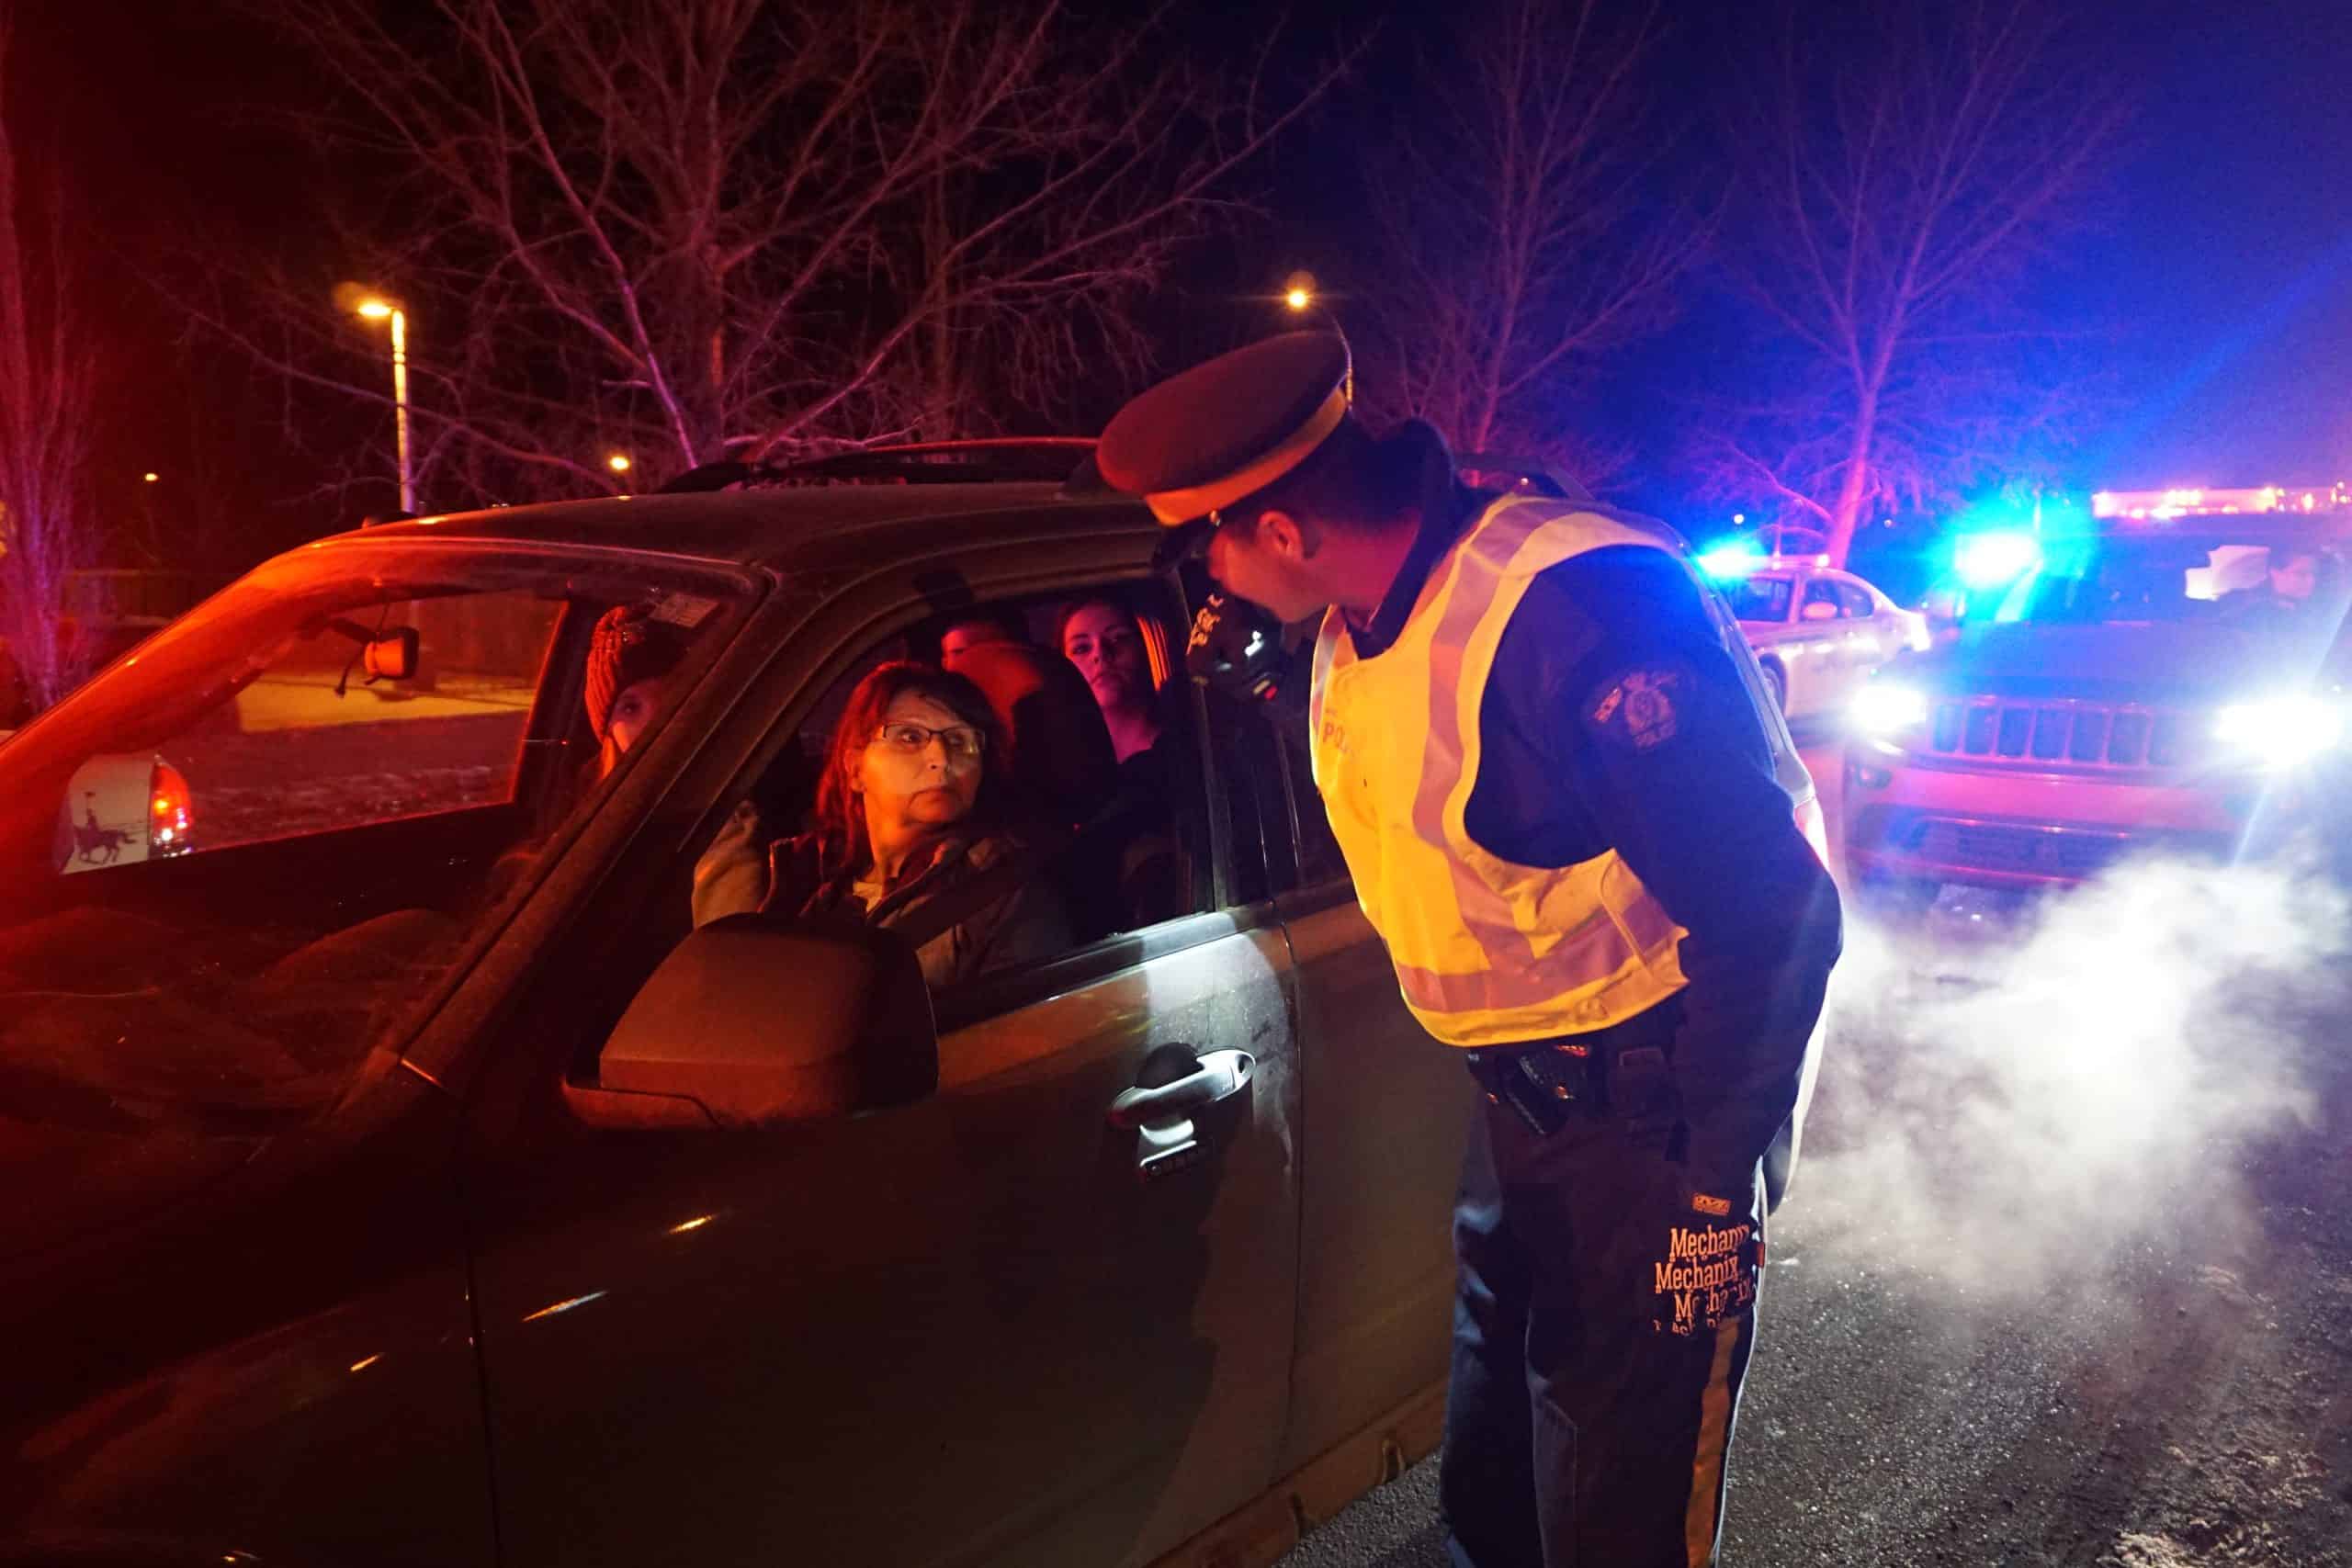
[[1103, 639], [1122, 870]]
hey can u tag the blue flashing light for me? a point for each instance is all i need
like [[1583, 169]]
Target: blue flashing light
[[1989, 560], [1731, 559]]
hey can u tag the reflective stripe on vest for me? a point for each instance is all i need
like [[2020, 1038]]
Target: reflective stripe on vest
[[1487, 951]]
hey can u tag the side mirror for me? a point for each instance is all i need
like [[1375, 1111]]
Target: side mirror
[[1818, 611], [754, 1021], [391, 657]]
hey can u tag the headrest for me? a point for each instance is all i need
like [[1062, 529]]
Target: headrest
[[1061, 756]]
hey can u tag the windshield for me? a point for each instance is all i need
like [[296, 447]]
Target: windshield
[[246, 856], [2174, 580], [1760, 598]]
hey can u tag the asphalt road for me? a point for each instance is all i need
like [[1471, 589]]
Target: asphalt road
[[2066, 1278]]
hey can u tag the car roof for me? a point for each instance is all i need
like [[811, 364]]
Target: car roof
[[756, 526]]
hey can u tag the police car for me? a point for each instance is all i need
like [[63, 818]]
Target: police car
[[2168, 678], [1818, 633], [397, 1179]]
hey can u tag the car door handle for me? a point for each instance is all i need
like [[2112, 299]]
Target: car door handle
[[1219, 1074], [1160, 1115]]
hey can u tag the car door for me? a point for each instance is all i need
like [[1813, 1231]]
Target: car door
[[1870, 638], [1386, 1109], [963, 1331]]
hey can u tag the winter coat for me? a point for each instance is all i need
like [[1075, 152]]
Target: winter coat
[[742, 871]]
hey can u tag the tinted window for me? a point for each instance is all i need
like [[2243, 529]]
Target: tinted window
[[1856, 600], [1821, 590], [1760, 598], [2162, 580], [1318, 852], [236, 863]]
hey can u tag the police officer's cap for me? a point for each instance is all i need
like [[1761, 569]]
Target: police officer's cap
[[1223, 430]]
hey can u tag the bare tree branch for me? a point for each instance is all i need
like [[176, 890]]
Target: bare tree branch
[[1511, 258], [688, 229], [1890, 194]]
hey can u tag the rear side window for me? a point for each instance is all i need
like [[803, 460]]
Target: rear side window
[[1821, 590], [1856, 600], [1764, 599]]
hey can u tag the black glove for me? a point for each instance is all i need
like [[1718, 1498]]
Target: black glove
[[1237, 648]]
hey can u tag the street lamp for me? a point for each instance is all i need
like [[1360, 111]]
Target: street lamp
[[377, 311], [619, 462], [1301, 296]]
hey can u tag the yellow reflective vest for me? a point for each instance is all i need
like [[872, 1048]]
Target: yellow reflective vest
[[1488, 952]]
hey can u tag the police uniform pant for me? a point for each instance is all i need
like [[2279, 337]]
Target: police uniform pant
[[1600, 1341]]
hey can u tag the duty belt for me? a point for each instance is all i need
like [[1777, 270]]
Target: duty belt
[[1622, 1074]]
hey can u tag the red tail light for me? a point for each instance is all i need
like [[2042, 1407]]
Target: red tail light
[[171, 815]]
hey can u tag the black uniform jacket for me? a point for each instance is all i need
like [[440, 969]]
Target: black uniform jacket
[[1614, 719]]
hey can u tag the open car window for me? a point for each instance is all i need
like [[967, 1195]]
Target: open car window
[[1069, 828], [253, 851]]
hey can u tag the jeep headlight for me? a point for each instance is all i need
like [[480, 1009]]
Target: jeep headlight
[[2279, 732], [1887, 708]]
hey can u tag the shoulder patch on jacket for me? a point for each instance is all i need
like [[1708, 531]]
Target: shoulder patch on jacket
[[1639, 707]]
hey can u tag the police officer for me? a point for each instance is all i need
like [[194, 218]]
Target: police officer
[[1556, 797]]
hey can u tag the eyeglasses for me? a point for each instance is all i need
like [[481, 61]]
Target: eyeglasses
[[963, 743]]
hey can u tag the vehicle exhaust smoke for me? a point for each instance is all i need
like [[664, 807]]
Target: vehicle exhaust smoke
[[2009, 1105]]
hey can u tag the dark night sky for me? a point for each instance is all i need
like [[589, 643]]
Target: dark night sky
[[2218, 269]]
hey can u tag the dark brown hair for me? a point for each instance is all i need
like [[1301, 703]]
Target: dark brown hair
[[840, 819], [1104, 597]]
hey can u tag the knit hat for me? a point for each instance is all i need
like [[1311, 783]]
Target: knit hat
[[627, 646]]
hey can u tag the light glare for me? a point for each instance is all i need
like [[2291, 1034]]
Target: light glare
[[1888, 707], [1988, 560], [2279, 732], [1736, 558]]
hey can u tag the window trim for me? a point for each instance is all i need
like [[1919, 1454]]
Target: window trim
[[1011, 991], [1861, 591]]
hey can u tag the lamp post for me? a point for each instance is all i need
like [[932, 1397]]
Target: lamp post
[[377, 311]]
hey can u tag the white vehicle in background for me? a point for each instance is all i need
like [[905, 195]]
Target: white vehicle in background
[[1818, 633]]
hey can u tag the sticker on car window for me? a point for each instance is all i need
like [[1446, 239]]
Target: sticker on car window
[[687, 610]]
